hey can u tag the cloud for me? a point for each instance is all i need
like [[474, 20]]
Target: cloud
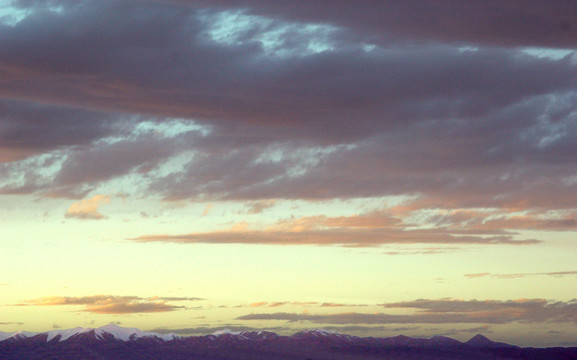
[[109, 304], [29, 128], [428, 104], [365, 230], [425, 251], [493, 22], [523, 275], [455, 331], [258, 207], [275, 304], [88, 208], [174, 298], [444, 312], [207, 209], [131, 308], [334, 237]]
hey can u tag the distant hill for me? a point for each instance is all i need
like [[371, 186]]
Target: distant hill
[[112, 342]]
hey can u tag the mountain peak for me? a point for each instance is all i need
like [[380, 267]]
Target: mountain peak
[[444, 340], [125, 334], [478, 339], [112, 326], [481, 341]]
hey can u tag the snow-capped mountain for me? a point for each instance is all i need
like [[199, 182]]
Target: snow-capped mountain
[[112, 342], [101, 333], [20, 335]]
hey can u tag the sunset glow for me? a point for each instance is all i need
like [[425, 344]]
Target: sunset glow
[[371, 167]]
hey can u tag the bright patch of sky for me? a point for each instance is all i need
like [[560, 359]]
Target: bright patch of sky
[[555, 54], [11, 14], [170, 127], [44, 166], [276, 38]]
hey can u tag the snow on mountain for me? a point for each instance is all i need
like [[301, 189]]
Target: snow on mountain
[[5, 335], [21, 335], [321, 332], [65, 334], [107, 343], [226, 332], [126, 334], [324, 334], [259, 335], [117, 332], [227, 336]]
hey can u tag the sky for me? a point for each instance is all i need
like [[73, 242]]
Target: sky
[[372, 167]]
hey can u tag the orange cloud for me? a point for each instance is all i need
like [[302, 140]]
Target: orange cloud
[[110, 304], [340, 237], [131, 308], [88, 208], [363, 230], [207, 209]]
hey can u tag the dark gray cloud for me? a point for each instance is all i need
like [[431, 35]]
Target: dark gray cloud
[[476, 22], [28, 128], [445, 312], [487, 125]]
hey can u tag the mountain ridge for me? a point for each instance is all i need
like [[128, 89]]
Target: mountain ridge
[[113, 342]]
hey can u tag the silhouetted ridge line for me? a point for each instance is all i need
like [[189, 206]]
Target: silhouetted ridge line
[[112, 342]]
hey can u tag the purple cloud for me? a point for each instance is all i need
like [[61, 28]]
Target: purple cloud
[[444, 312]]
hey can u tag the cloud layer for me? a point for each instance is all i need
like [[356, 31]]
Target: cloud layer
[[488, 125], [442, 311]]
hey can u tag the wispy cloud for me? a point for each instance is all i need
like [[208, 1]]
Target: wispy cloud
[[485, 329], [425, 251], [207, 209], [257, 207], [444, 312], [523, 275], [389, 20], [275, 304], [365, 230], [110, 304]]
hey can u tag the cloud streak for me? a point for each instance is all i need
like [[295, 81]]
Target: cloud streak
[[444, 312], [493, 22], [109, 304], [365, 230], [523, 275]]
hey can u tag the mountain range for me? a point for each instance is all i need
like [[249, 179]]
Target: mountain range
[[112, 342]]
